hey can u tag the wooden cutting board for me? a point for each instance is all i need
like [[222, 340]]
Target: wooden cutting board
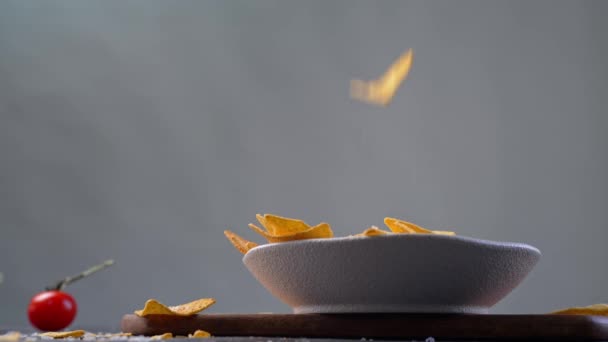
[[379, 326]]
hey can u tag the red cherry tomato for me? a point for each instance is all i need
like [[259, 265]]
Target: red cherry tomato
[[52, 310]]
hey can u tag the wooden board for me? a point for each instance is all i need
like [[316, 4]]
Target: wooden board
[[379, 326]]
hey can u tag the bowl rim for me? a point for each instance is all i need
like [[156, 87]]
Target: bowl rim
[[342, 239]]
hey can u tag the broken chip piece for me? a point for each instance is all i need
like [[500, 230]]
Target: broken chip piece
[[594, 310], [64, 334], [154, 307], [121, 334], [381, 91], [12, 336], [199, 334], [239, 243], [165, 336]]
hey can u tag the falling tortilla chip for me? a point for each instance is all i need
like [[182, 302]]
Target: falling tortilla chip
[[12, 336], [239, 243], [381, 91], [154, 307], [64, 334], [280, 226], [373, 231], [320, 231], [165, 336], [200, 334], [404, 227], [593, 310]]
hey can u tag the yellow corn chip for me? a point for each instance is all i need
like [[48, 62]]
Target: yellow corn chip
[[398, 226], [121, 334], [200, 334], [64, 334], [595, 310], [239, 243], [373, 231], [108, 336], [165, 336], [279, 226], [12, 336], [404, 227], [381, 91], [322, 230], [442, 232], [154, 307]]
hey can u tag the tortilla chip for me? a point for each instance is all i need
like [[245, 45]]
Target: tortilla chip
[[64, 334], [381, 91], [239, 243], [200, 334], [593, 310], [442, 232], [280, 226], [404, 227], [373, 231], [320, 231], [400, 226], [121, 334], [165, 336], [12, 336], [154, 307]]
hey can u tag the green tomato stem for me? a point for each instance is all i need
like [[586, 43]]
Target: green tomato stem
[[65, 282]]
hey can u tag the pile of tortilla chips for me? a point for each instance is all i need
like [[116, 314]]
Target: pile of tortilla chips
[[282, 229]]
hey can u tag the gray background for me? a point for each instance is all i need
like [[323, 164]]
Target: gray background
[[140, 130]]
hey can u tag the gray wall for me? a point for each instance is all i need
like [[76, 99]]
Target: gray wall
[[140, 130]]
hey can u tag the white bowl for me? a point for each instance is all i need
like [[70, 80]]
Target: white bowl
[[407, 273]]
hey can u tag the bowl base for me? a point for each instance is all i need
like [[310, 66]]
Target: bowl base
[[387, 308]]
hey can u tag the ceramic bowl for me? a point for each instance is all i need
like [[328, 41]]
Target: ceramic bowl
[[406, 273]]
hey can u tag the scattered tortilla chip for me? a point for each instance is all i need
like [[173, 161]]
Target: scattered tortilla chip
[[12, 336], [373, 231], [381, 91], [280, 226], [64, 334], [121, 334], [320, 231], [108, 336], [154, 307], [594, 310], [200, 334], [165, 336], [239, 243], [404, 227]]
